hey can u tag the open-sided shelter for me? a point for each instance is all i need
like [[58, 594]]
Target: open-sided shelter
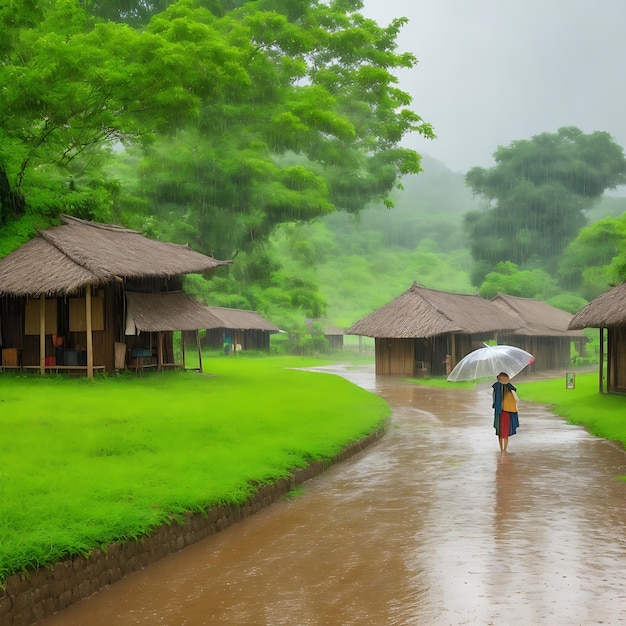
[[239, 329], [88, 296], [608, 313], [543, 331], [429, 331]]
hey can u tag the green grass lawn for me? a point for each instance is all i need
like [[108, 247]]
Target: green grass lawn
[[603, 415], [87, 462]]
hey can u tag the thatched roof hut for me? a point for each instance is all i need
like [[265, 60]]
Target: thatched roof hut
[[170, 311], [425, 330], [77, 254], [608, 313], [241, 319], [536, 317], [543, 331], [69, 296], [421, 312], [331, 332], [239, 329]]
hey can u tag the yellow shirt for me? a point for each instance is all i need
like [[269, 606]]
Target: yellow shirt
[[508, 402]]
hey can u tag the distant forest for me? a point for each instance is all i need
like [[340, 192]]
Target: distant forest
[[364, 261]]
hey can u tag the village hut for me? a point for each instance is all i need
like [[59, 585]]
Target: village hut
[[608, 313], [85, 296], [239, 329], [333, 334], [425, 331], [543, 331]]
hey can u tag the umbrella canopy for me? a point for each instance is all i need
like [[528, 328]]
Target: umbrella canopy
[[490, 361]]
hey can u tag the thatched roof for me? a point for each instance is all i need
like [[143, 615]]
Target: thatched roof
[[78, 253], [240, 319], [420, 312], [606, 311], [175, 310], [536, 318]]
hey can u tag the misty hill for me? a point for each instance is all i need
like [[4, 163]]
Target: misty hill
[[377, 255], [431, 206]]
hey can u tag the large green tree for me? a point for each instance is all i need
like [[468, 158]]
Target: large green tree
[[318, 127], [537, 194]]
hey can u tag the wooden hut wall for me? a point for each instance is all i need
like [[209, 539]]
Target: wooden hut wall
[[252, 339], [214, 338], [616, 356], [395, 356], [18, 328], [256, 340], [462, 345], [12, 322], [335, 342], [550, 352]]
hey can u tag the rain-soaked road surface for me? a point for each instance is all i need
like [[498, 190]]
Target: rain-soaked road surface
[[431, 525]]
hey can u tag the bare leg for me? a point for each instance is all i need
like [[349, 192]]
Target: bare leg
[[500, 441], [506, 443]]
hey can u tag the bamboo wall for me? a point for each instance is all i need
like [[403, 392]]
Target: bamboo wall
[[551, 353], [247, 339], [616, 357], [395, 356]]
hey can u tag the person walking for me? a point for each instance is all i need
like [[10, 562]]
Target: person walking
[[506, 419]]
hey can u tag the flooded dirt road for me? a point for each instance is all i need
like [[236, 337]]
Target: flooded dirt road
[[431, 525]]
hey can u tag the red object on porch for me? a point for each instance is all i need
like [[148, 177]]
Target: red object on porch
[[50, 361]]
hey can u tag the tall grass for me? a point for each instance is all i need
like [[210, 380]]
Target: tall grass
[[84, 463]]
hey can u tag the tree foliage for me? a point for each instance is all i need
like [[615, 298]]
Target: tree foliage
[[537, 194], [594, 261], [316, 127], [509, 279]]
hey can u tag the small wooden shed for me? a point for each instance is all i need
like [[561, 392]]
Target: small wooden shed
[[67, 298], [333, 334], [608, 313], [239, 329], [425, 331], [543, 331]]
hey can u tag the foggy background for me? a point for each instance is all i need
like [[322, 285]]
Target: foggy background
[[491, 72]]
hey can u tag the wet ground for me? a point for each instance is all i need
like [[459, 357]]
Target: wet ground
[[431, 525]]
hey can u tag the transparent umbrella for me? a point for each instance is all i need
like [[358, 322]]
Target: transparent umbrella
[[490, 361]]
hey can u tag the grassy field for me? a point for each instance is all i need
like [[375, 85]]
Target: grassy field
[[84, 463], [603, 415]]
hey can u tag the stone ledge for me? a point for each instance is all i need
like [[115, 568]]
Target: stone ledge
[[32, 596]]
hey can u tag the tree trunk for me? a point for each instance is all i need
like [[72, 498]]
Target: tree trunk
[[12, 203]]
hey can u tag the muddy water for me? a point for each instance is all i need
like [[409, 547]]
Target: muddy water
[[431, 525]]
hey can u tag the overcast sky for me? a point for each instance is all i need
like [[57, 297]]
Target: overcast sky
[[494, 71]]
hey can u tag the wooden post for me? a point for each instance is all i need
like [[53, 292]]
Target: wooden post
[[89, 332], [160, 351], [42, 333], [453, 353], [602, 361], [182, 346], [199, 352]]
